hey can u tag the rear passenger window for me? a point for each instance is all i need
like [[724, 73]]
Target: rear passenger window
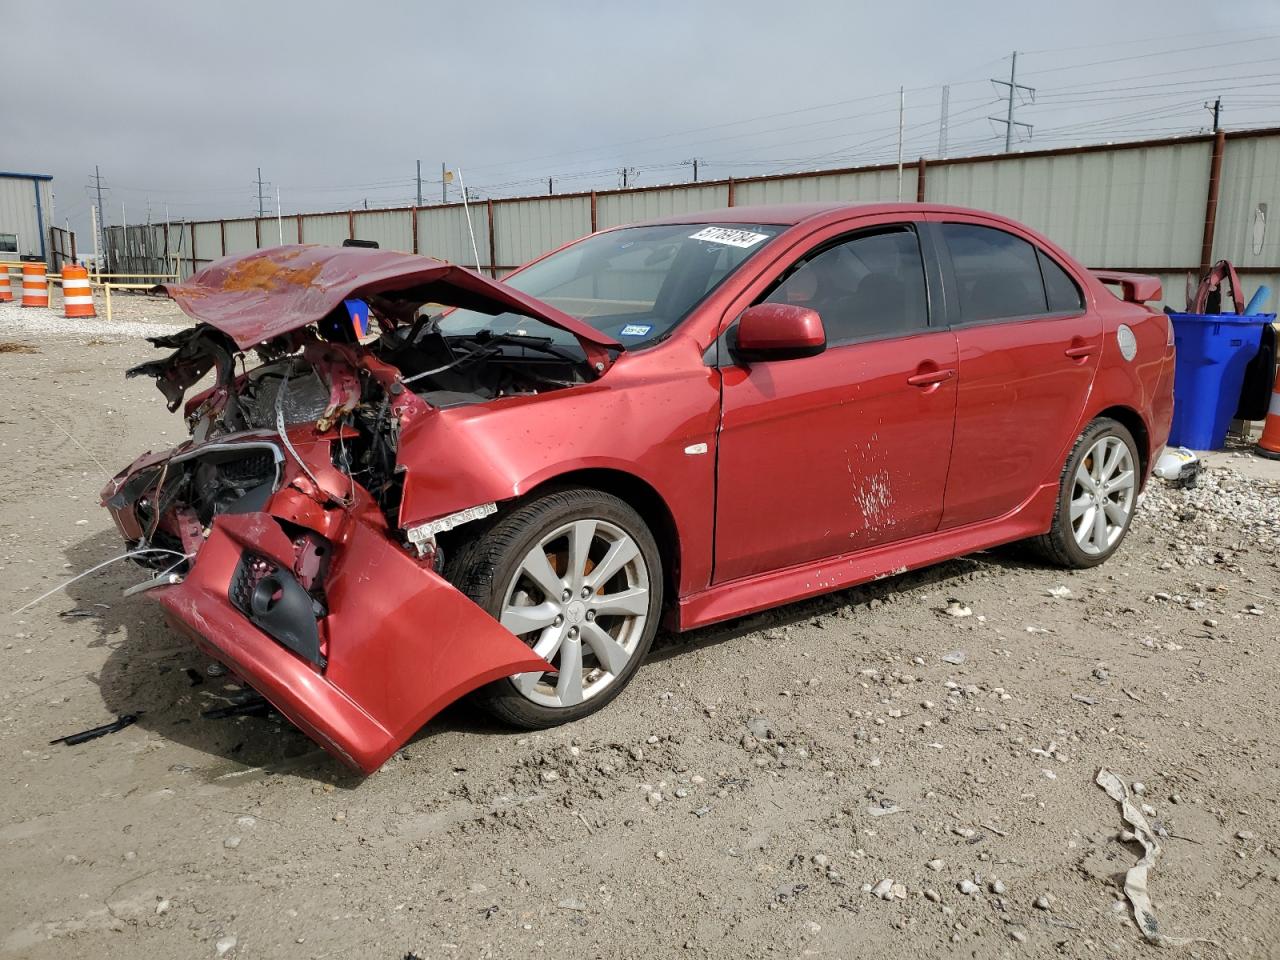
[[998, 274], [1061, 291], [871, 285]]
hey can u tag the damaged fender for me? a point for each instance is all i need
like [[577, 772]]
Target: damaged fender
[[401, 642]]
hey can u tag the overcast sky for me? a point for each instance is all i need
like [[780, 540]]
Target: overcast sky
[[179, 104]]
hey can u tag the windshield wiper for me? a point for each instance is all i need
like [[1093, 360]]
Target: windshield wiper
[[541, 344]]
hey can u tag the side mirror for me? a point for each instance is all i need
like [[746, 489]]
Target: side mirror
[[779, 331]]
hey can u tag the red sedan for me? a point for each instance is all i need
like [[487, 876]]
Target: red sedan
[[426, 483]]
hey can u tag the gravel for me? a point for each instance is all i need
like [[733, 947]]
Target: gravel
[[133, 317], [730, 804]]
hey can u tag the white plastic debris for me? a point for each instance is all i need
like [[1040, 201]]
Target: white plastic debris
[[1177, 465], [1135, 881], [883, 811]]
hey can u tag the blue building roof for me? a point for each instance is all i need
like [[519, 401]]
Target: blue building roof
[[25, 176]]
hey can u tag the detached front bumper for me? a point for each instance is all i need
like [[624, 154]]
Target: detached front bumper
[[358, 649], [402, 642]]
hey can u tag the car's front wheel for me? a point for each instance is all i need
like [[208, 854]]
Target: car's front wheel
[[576, 575], [1096, 499]]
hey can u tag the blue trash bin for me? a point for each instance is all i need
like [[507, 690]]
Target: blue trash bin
[[1213, 351]]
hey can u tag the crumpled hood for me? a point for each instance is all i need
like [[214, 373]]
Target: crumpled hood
[[256, 296]]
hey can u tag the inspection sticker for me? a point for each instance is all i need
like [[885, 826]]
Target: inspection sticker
[[636, 330], [729, 237]]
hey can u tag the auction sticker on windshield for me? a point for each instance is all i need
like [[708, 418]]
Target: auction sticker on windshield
[[730, 237]]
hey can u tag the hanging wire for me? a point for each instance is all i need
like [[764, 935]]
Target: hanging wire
[[105, 563]]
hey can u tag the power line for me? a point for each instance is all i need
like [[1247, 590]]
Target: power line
[[1159, 53], [855, 144]]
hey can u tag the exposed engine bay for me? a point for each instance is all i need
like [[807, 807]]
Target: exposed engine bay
[[356, 393]]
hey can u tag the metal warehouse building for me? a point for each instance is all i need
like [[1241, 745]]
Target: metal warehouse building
[[26, 211], [1169, 207]]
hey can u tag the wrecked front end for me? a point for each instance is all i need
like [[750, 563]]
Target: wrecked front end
[[275, 531]]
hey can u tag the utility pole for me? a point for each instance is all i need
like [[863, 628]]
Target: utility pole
[[942, 122], [419, 183], [261, 204], [627, 173], [902, 103], [1014, 86], [551, 187], [1216, 107], [444, 184], [695, 161]]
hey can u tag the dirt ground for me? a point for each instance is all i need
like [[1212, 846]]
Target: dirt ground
[[741, 799]]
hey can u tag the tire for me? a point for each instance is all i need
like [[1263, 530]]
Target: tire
[[1075, 540], [603, 617]]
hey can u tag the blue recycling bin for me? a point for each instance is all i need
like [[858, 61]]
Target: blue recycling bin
[[1213, 351]]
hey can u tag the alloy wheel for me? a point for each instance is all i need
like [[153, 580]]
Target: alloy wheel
[[580, 598], [1102, 495]]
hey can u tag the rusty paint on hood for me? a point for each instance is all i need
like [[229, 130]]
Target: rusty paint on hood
[[256, 296]]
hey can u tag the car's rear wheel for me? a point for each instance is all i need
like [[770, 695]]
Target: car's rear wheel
[[1096, 499], [576, 575]]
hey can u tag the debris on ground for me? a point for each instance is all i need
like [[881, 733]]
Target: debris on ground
[[250, 707], [84, 736], [1135, 879]]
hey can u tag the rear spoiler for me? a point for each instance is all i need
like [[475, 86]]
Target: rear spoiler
[[1134, 287]]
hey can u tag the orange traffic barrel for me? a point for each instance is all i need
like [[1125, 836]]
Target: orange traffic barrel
[[77, 298], [1269, 443], [6, 291], [35, 288]]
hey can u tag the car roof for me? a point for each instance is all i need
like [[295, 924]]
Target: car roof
[[790, 214]]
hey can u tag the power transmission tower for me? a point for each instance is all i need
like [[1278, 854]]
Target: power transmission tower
[[942, 121], [102, 213], [1014, 86], [261, 201]]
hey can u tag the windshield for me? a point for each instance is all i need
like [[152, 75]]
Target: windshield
[[635, 284]]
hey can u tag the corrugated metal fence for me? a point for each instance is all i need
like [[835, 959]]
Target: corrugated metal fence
[[1150, 206]]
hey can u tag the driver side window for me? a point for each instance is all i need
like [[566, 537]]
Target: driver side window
[[868, 286]]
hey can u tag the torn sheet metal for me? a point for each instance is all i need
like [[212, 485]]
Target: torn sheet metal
[[1135, 880]]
